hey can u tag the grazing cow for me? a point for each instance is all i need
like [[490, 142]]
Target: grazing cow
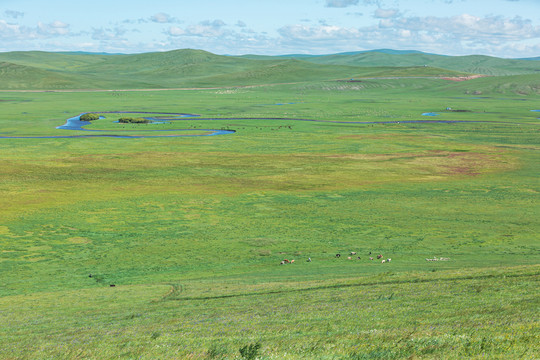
[[379, 256], [338, 255], [353, 252]]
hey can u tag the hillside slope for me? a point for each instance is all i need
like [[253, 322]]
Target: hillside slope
[[16, 76], [52, 60], [476, 64], [196, 68]]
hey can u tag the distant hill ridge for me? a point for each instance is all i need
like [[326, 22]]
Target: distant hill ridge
[[198, 68], [478, 64], [383, 51]]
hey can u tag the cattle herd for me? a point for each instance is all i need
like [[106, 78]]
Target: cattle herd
[[350, 257]]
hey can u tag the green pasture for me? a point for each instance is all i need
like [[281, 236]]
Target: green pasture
[[192, 230]]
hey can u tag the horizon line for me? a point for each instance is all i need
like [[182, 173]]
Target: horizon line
[[387, 51]]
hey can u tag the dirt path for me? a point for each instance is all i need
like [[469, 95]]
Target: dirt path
[[159, 89], [463, 78]]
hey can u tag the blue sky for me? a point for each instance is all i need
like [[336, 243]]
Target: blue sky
[[504, 28]]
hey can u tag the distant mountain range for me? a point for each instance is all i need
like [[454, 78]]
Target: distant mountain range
[[197, 68]]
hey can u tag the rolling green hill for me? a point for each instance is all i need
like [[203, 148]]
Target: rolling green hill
[[475, 64], [186, 68], [16, 76], [52, 60]]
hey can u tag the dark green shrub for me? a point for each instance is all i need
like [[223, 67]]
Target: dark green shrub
[[140, 121], [250, 352], [89, 117], [129, 120]]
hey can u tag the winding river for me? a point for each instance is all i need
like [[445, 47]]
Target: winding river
[[75, 123]]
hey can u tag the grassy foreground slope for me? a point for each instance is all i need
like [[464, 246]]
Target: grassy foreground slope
[[191, 231]]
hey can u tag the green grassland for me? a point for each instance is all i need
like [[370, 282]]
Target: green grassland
[[192, 230], [178, 69]]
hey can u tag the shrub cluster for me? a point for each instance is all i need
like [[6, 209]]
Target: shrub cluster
[[89, 117], [251, 351], [128, 120]]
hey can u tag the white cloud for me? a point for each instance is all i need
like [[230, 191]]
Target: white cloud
[[405, 33], [316, 33], [386, 13], [11, 32], [340, 3], [105, 34], [493, 29], [13, 14], [53, 29], [175, 31], [159, 18], [393, 28], [207, 28], [228, 40], [457, 35], [163, 18], [214, 24]]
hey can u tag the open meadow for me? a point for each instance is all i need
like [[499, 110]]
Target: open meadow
[[191, 230]]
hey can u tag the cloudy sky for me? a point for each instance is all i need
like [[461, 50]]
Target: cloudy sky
[[504, 28]]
